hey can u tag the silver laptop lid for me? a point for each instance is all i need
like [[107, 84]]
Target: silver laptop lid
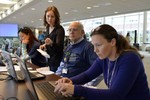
[[9, 64], [27, 77]]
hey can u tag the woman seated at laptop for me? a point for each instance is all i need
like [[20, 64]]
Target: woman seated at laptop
[[30, 44], [120, 64]]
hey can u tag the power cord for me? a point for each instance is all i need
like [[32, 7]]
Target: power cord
[[12, 98]]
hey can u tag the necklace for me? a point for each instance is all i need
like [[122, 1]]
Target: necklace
[[109, 80]]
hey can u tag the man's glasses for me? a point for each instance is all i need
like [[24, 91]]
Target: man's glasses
[[72, 30]]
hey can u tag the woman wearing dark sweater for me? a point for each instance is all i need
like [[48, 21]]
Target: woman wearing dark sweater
[[54, 39], [120, 64]]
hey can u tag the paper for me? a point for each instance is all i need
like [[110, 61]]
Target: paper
[[45, 71], [43, 53], [2, 68], [17, 67]]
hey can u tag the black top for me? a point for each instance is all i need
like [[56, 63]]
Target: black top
[[56, 50]]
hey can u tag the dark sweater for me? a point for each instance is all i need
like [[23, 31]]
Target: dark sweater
[[80, 57], [129, 81], [36, 57], [56, 50]]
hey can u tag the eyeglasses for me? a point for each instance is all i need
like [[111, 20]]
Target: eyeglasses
[[72, 30]]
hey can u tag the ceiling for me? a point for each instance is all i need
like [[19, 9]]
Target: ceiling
[[72, 10]]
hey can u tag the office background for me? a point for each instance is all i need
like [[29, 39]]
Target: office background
[[124, 15]]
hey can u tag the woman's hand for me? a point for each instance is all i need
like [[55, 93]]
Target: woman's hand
[[63, 80], [48, 41], [66, 89], [42, 47]]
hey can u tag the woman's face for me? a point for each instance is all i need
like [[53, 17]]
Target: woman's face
[[24, 38], [102, 47], [50, 18]]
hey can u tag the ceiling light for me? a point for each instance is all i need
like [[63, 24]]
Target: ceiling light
[[3, 15], [50, 0], [88, 7], [116, 12], [66, 13], [7, 2], [8, 11], [27, 1], [32, 8], [16, 7], [91, 16]]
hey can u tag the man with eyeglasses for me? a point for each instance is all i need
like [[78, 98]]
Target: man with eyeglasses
[[78, 55]]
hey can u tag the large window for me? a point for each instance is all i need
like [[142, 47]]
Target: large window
[[147, 35], [124, 23]]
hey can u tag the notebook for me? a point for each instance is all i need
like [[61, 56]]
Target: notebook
[[42, 90], [17, 74]]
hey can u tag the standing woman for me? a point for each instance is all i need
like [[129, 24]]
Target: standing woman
[[30, 44], [54, 40]]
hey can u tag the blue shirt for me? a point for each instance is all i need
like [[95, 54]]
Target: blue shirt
[[77, 58], [129, 81]]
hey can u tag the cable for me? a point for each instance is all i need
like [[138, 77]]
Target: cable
[[12, 98]]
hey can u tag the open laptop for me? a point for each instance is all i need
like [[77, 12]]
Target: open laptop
[[17, 74], [41, 90]]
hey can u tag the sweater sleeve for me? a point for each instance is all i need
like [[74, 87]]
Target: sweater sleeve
[[122, 84], [94, 71]]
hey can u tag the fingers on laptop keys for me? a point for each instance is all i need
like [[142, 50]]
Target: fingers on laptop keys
[[65, 89], [63, 80]]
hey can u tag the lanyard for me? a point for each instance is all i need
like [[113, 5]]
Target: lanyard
[[109, 80], [67, 55]]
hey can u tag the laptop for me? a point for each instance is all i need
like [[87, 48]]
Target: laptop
[[41, 90], [17, 74]]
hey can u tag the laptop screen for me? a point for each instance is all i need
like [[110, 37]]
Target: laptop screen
[[9, 63], [27, 77]]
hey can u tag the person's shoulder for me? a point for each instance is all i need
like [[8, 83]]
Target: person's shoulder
[[36, 43], [87, 43], [130, 55]]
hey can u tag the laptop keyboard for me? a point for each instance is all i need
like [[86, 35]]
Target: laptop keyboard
[[33, 76], [48, 90]]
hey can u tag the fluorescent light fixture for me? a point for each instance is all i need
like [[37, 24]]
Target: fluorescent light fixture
[[7, 2], [16, 7], [8, 11]]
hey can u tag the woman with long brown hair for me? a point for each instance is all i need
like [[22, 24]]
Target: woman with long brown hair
[[120, 64], [54, 40]]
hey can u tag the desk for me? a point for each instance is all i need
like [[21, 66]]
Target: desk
[[12, 88]]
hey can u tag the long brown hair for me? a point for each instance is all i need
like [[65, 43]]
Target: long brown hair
[[56, 13], [109, 33], [32, 38]]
